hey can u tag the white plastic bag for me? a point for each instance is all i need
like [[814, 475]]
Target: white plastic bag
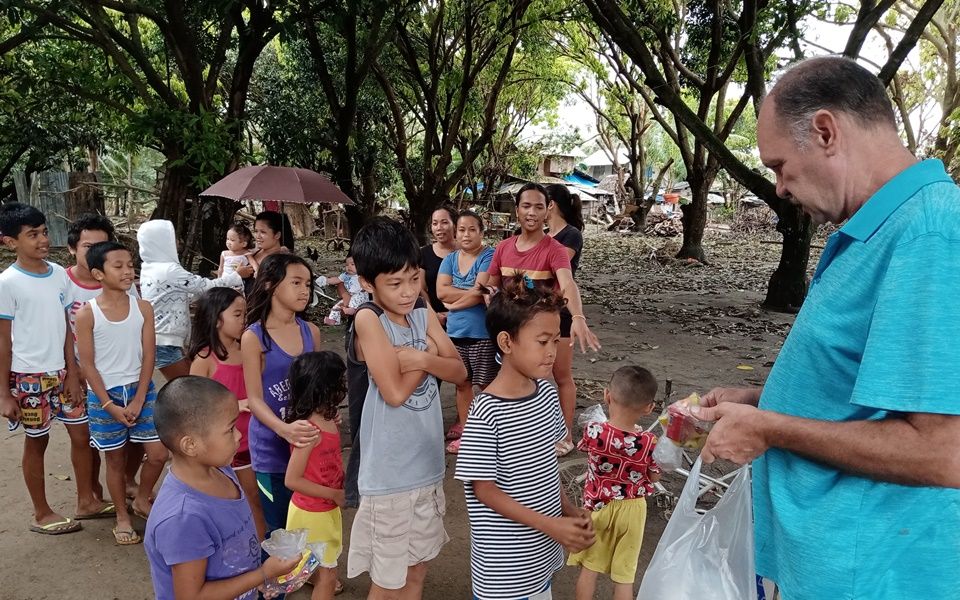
[[709, 556], [667, 454], [592, 414], [287, 545]]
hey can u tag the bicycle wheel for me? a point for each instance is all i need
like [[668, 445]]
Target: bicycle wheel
[[573, 473]]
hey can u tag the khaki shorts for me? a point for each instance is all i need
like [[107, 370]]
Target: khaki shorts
[[394, 532]]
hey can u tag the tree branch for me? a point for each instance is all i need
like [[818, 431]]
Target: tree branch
[[909, 40], [868, 15]]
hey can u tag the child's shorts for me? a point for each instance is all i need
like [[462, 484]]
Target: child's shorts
[[168, 355], [393, 532], [322, 527], [545, 594], [480, 358], [106, 433], [618, 527], [41, 398]]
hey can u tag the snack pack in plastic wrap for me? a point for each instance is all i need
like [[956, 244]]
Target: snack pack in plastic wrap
[[593, 414], [667, 454], [708, 556], [682, 427], [285, 544]]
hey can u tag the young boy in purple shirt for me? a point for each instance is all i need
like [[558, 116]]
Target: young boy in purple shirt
[[200, 539]]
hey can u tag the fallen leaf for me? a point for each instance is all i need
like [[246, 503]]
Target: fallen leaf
[[744, 367]]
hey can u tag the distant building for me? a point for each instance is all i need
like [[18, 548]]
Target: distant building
[[599, 164], [558, 163]]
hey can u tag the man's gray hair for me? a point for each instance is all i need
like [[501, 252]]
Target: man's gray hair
[[830, 83]]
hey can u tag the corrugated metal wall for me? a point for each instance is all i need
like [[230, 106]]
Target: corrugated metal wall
[[47, 191]]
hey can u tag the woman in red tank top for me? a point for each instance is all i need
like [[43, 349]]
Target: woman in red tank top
[[215, 353]]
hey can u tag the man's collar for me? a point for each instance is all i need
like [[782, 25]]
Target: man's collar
[[905, 184]]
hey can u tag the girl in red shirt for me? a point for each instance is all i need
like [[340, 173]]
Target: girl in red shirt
[[544, 261], [315, 472]]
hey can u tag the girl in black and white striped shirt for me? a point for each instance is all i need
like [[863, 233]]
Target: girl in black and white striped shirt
[[520, 519]]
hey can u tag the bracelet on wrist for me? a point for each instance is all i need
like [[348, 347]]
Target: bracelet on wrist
[[579, 317]]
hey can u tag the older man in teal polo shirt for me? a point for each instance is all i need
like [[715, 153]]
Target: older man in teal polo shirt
[[855, 437]]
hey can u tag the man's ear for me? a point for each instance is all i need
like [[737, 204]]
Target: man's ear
[[9, 241], [826, 131], [94, 272]]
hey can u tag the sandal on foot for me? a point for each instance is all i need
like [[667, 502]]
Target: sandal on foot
[[454, 432], [454, 447], [108, 510], [64, 525], [126, 536], [564, 447]]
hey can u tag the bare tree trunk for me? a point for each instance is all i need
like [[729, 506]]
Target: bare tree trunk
[[421, 209], [83, 198], [649, 201], [788, 284], [172, 201], [301, 218], [129, 204], [365, 197], [695, 220]]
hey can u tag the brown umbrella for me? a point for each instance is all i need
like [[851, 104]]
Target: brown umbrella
[[283, 184]]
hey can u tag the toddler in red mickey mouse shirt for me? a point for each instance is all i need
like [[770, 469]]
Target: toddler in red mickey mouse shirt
[[620, 473]]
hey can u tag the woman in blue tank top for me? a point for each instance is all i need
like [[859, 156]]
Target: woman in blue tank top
[[276, 335]]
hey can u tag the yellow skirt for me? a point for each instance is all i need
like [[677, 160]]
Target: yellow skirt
[[619, 533], [323, 527]]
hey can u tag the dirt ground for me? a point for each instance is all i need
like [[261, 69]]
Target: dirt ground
[[697, 326]]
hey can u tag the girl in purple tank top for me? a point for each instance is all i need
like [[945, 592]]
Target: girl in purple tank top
[[275, 336]]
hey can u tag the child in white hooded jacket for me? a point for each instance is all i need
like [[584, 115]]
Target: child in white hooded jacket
[[169, 288]]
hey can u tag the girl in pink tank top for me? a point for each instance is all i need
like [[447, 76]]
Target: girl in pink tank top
[[215, 353]]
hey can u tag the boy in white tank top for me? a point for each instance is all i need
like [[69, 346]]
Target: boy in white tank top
[[116, 341]]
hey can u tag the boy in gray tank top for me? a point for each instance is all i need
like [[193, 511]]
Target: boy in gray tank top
[[396, 351]]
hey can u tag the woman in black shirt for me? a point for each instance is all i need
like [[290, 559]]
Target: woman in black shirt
[[442, 226], [565, 223]]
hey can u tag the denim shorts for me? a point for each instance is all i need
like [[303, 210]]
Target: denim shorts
[[168, 355], [106, 433]]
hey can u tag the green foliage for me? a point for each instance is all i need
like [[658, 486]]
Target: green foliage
[[170, 76], [41, 126], [294, 125], [209, 144]]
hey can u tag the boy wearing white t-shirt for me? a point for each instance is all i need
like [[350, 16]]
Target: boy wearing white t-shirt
[[37, 359]]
